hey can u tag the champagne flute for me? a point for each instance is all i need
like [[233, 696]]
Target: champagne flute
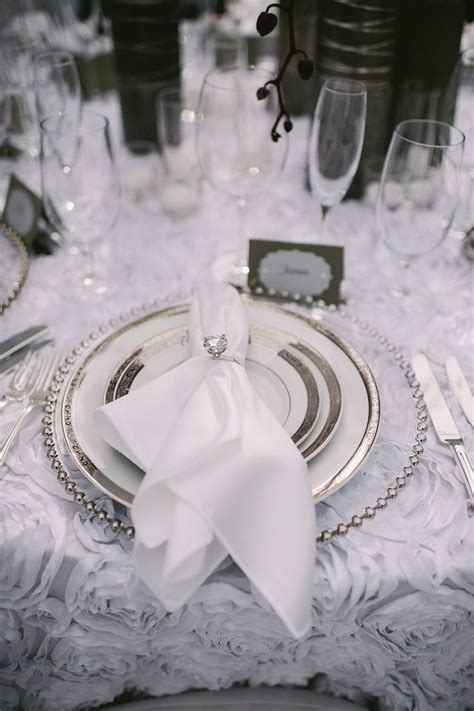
[[235, 149], [58, 89], [336, 140], [80, 186], [419, 190]]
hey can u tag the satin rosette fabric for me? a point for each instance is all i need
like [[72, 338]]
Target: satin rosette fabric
[[222, 476]]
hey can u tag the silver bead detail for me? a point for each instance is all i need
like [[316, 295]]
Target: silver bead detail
[[381, 503], [408, 471], [90, 507], [130, 532], [326, 536], [369, 512], [341, 529], [70, 487], [401, 482], [79, 497], [356, 521], [62, 475], [102, 516], [391, 493], [414, 459], [115, 525]]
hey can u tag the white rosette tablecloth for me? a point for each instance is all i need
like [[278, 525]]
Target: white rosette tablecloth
[[393, 600]]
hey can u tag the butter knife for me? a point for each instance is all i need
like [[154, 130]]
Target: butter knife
[[20, 340], [460, 388], [442, 420]]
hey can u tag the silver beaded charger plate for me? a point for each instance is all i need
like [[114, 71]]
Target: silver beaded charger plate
[[14, 264], [283, 381], [356, 427]]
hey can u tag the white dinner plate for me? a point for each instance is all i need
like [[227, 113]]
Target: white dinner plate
[[283, 380], [346, 433]]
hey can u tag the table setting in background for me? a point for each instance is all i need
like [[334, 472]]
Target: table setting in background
[[236, 371]]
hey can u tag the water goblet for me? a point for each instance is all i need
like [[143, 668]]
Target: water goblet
[[81, 187], [235, 148], [419, 190]]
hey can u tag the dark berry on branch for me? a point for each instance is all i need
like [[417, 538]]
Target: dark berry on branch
[[262, 93], [266, 23], [275, 136], [305, 68], [288, 125]]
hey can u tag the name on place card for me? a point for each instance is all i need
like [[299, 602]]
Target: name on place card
[[299, 271]]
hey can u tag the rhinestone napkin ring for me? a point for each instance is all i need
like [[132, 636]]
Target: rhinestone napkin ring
[[215, 345]]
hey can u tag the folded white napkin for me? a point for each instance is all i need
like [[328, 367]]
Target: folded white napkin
[[222, 476]]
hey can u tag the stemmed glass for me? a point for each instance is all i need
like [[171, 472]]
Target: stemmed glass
[[419, 190], [19, 52], [235, 149], [80, 186], [58, 89], [336, 140], [5, 114]]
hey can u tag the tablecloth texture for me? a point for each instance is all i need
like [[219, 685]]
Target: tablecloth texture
[[393, 601]]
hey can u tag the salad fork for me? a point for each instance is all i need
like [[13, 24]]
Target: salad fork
[[42, 374], [21, 383]]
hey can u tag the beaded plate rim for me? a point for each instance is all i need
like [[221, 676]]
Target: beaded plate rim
[[15, 239], [341, 529]]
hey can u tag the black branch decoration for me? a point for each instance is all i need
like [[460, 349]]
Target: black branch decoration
[[266, 23]]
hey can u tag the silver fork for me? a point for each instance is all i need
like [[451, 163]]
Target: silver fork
[[21, 383], [42, 374]]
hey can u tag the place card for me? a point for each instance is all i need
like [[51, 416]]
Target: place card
[[299, 271], [23, 210]]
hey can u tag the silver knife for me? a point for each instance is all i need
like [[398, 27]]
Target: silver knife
[[20, 340], [8, 364], [442, 419], [460, 387]]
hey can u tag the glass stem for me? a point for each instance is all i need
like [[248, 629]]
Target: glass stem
[[324, 222], [242, 228], [405, 268], [88, 268]]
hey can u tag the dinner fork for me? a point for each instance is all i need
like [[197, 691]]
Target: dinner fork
[[42, 374], [21, 383]]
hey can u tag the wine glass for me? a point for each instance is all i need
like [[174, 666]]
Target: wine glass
[[5, 113], [419, 190], [19, 52], [80, 187], [336, 140], [457, 108], [57, 85], [235, 148]]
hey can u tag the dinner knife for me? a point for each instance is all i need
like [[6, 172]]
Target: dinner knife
[[460, 387], [20, 340], [8, 364], [442, 420]]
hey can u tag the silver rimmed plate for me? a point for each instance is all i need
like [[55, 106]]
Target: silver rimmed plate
[[349, 434], [281, 378]]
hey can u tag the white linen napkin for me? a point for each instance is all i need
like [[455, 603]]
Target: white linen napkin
[[222, 476]]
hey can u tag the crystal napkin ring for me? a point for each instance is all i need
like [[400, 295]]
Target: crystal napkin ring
[[216, 346]]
